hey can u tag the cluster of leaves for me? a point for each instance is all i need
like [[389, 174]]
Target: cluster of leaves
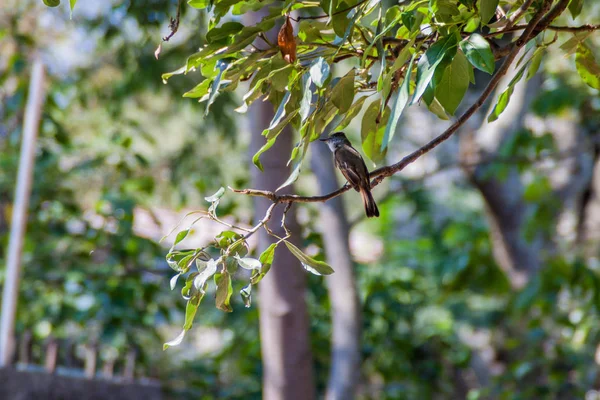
[[424, 51], [220, 260]]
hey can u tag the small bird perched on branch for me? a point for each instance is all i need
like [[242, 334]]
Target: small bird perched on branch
[[353, 167]]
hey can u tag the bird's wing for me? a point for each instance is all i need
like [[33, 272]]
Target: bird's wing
[[352, 166]]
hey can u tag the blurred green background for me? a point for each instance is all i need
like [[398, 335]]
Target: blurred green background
[[122, 156]]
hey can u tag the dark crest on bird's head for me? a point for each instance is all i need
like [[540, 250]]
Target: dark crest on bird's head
[[336, 140], [337, 136]]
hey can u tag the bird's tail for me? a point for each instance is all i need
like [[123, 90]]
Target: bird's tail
[[369, 202]]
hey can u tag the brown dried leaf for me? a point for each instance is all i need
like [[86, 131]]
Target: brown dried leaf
[[287, 41]]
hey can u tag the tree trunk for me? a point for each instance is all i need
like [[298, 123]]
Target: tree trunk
[[284, 323], [345, 306], [506, 210]]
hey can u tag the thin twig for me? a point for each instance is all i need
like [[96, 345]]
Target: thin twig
[[517, 15], [572, 29], [174, 24]]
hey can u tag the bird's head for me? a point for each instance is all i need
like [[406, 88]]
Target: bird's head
[[336, 140]]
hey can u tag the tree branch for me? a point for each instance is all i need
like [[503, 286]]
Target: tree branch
[[517, 15], [540, 21]]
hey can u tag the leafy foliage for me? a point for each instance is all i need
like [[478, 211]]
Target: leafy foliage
[[326, 63]]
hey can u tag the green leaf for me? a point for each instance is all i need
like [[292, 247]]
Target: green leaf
[[454, 83], [214, 90], [444, 10], [227, 30], [575, 7], [165, 77], [293, 176], [188, 288], [430, 60], [435, 107], [310, 264], [173, 281], [267, 256], [342, 94], [52, 3], [265, 147], [570, 46], [373, 130], [200, 4], [308, 31], [398, 108], [175, 342], [246, 295], [339, 21], [306, 97], [205, 272], [248, 262], [352, 112], [276, 130], [479, 53], [200, 90], [72, 5], [279, 114], [587, 67], [504, 97], [319, 71], [219, 193], [224, 291], [191, 308], [180, 236], [266, 259], [487, 9], [536, 60]]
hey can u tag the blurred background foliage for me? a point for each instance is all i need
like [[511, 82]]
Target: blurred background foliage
[[114, 139]]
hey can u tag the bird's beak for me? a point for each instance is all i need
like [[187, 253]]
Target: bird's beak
[[324, 140]]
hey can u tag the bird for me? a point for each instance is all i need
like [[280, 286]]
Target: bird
[[351, 164]]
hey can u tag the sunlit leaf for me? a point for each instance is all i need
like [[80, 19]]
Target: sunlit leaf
[[265, 147], [319, 71], [429, 62], [181, 235], [218, 194], [478, 52], [200, 4], [504, 97], [372, 131], [248, 262], [246, 292], [175, 342], [279, 114], [306, 97], [72, 6], [173, 281], [52, 3], [266, 260], [214, 90], [310, 264], [204, 274], [224, 291], [454, 83], [400, 103], [587, 67]]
